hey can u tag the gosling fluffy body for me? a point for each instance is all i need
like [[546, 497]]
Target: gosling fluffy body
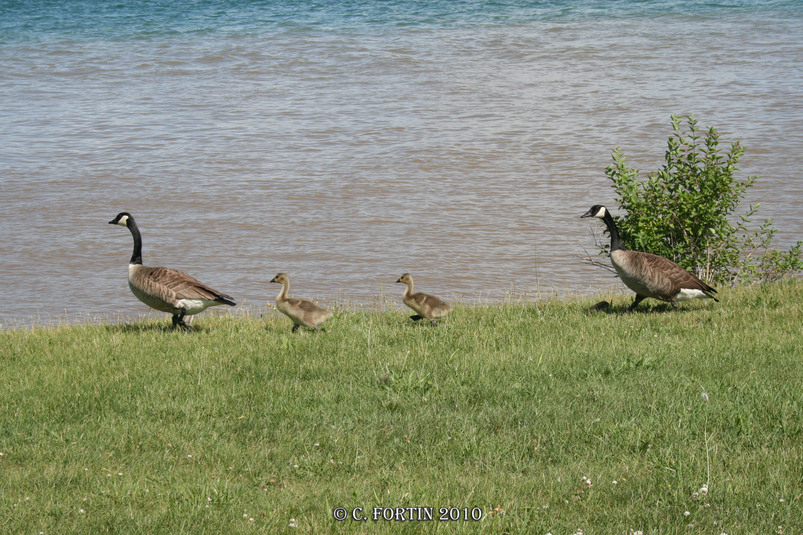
[[301, 311], [647, 274], [427, 306], [167, 289]]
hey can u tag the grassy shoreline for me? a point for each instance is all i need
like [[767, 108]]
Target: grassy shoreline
[[135, 428]]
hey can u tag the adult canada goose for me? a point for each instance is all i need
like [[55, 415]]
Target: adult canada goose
[[301, 311], [167, 289], [647, 274], [427, 306]]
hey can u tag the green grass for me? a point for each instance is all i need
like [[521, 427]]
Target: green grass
[[136, 428]]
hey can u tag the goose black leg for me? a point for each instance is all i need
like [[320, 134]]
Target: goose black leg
[[178, 321], [295, 327], [636, 301]]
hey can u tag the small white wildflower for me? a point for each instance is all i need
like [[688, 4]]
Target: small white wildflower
[[189, 456], [704, 490], [27, 498], [782, 500], [686, 513], [704, 396], [614, 482], [295, 466], [119, 473], [245, 515], [81, 511], [251, 520], [696, 496]]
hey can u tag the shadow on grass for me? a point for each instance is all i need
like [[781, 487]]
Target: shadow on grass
[[607, 308], [148, 327]]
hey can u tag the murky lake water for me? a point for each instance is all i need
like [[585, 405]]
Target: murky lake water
[[347, 143]]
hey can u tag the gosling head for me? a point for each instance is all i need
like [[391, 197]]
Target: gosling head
[[596, 211], [121, 219], [280, 278], [405, 279]]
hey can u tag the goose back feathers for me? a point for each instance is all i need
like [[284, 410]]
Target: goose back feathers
[[427, 306], [301, 311], [647, 274], [167, 289]]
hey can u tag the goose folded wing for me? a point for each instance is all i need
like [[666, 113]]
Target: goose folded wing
[[671, 278], [183, 286]]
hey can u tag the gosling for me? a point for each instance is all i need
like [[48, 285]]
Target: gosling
[[301, 311], [427, 306]]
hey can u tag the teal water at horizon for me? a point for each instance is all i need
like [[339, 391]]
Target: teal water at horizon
[[48, 20]]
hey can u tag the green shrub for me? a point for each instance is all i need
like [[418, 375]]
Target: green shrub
[[685, 210]]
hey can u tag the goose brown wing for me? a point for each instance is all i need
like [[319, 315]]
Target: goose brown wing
[[180, 285], [671, 278]]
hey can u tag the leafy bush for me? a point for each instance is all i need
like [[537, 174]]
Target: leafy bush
[[684, 211]]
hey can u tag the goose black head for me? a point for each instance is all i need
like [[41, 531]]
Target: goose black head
[[121, 219], [596, 211]]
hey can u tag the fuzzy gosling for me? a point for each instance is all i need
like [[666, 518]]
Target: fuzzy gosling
[[167, 289], [427, 306], [301, 311], [647, 274]]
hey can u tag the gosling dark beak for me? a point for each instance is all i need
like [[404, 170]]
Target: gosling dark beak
[[274, 279], [587, 214], [398, 280]]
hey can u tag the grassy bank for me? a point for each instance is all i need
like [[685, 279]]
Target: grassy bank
[[243, 427]]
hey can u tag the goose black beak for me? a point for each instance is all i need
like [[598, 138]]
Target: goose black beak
[[587, 214], [112, 222]]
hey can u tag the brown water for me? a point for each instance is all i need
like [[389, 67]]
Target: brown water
[[464, 156]]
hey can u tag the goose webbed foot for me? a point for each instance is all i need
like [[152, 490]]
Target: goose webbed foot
[[295, 327], [416, 317]]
